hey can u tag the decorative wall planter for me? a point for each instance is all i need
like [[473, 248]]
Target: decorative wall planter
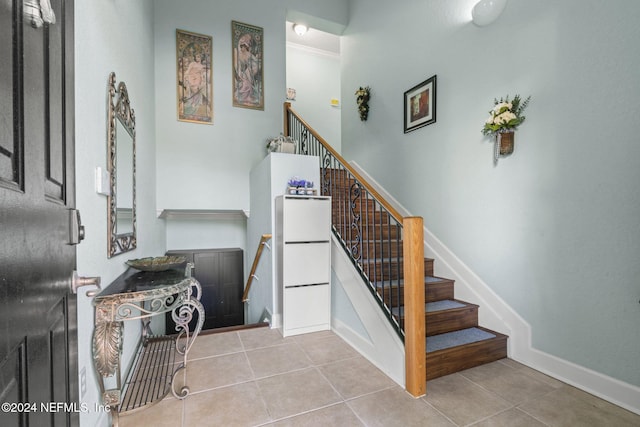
[[505, 142], [504, 119]]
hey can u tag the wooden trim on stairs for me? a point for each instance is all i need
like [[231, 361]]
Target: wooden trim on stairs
[[414, 302]]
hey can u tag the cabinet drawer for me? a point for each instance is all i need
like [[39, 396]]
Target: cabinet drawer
[[307, 220], [306, 306], [306, 263]]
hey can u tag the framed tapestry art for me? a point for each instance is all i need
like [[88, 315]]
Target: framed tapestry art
[[247, 46], [194, 77], [420, 105]]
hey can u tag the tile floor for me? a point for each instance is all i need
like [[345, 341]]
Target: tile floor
[[255, 377]]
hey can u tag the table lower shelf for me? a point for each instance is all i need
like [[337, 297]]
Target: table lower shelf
[[150, 380]]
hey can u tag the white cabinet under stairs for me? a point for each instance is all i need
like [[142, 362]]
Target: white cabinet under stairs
[[303, 252]]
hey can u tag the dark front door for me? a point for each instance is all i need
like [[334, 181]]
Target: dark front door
[[38, 348]]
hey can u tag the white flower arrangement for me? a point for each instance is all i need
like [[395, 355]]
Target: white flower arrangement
[[506, 115]]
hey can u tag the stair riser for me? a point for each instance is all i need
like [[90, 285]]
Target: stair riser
[[370, 232], [377, 249], [377, 271], [338, 180], [451, 320], [372, 249], [345, 206], [343, 215], [433, 292], [344, 184], [439, 291], [449, 361]]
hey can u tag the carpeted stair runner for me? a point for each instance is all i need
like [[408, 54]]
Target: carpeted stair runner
[[456, 338], [443, 305], [432, 306]]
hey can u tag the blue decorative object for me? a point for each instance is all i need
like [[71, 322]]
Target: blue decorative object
[[300, 187]]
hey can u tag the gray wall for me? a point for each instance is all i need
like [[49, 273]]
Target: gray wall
[[104, 35], [554, 228]]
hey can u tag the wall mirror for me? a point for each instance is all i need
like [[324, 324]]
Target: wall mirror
[[121, 164]]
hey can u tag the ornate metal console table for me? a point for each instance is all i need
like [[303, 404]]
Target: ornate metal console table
[[137, 295]]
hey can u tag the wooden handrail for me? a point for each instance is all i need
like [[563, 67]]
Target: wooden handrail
[[254, 267], [394, 213]]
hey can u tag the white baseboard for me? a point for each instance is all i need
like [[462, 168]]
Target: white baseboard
[[276, 321], [607, 388], [496, 314]]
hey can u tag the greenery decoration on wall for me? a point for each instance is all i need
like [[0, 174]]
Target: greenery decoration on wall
[[504, 119], [363, 94], [506, 115]]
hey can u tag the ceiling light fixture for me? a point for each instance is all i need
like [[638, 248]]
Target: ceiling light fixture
[[300, 29], [487, 11]]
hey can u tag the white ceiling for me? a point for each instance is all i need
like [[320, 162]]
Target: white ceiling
[[314, 38]]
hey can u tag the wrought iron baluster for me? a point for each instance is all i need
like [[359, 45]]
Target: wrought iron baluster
[[355, 191], [380, 261]]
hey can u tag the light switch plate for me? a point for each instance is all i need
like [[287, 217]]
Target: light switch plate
[[102, 181], [83, 382]]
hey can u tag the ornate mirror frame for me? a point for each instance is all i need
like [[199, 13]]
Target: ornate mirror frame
[[119, 111]]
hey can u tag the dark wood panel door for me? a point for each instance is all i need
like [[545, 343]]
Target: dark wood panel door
[[206, 272], [220, 273], [230, 286], [38, 341]]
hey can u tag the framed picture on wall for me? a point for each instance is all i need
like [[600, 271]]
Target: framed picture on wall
[[420, 105], [248, 52], [194, 77]]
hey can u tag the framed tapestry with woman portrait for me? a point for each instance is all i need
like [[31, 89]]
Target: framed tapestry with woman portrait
[[247, 46], [194, 77]]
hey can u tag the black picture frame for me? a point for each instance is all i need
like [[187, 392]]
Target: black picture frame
[[420, 105]]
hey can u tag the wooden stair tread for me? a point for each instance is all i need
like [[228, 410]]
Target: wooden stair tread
[[427, 279], [458, 338], [394, 283], [447, 305], [435, 279], [453, 359], [438, 307]]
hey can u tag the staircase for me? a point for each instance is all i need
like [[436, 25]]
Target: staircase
[[373, 239], [454, 340]]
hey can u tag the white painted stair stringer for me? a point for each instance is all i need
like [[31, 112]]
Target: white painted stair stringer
[[380, 344]]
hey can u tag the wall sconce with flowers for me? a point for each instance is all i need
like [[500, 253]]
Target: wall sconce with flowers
[[504, 119], [363, 94]]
